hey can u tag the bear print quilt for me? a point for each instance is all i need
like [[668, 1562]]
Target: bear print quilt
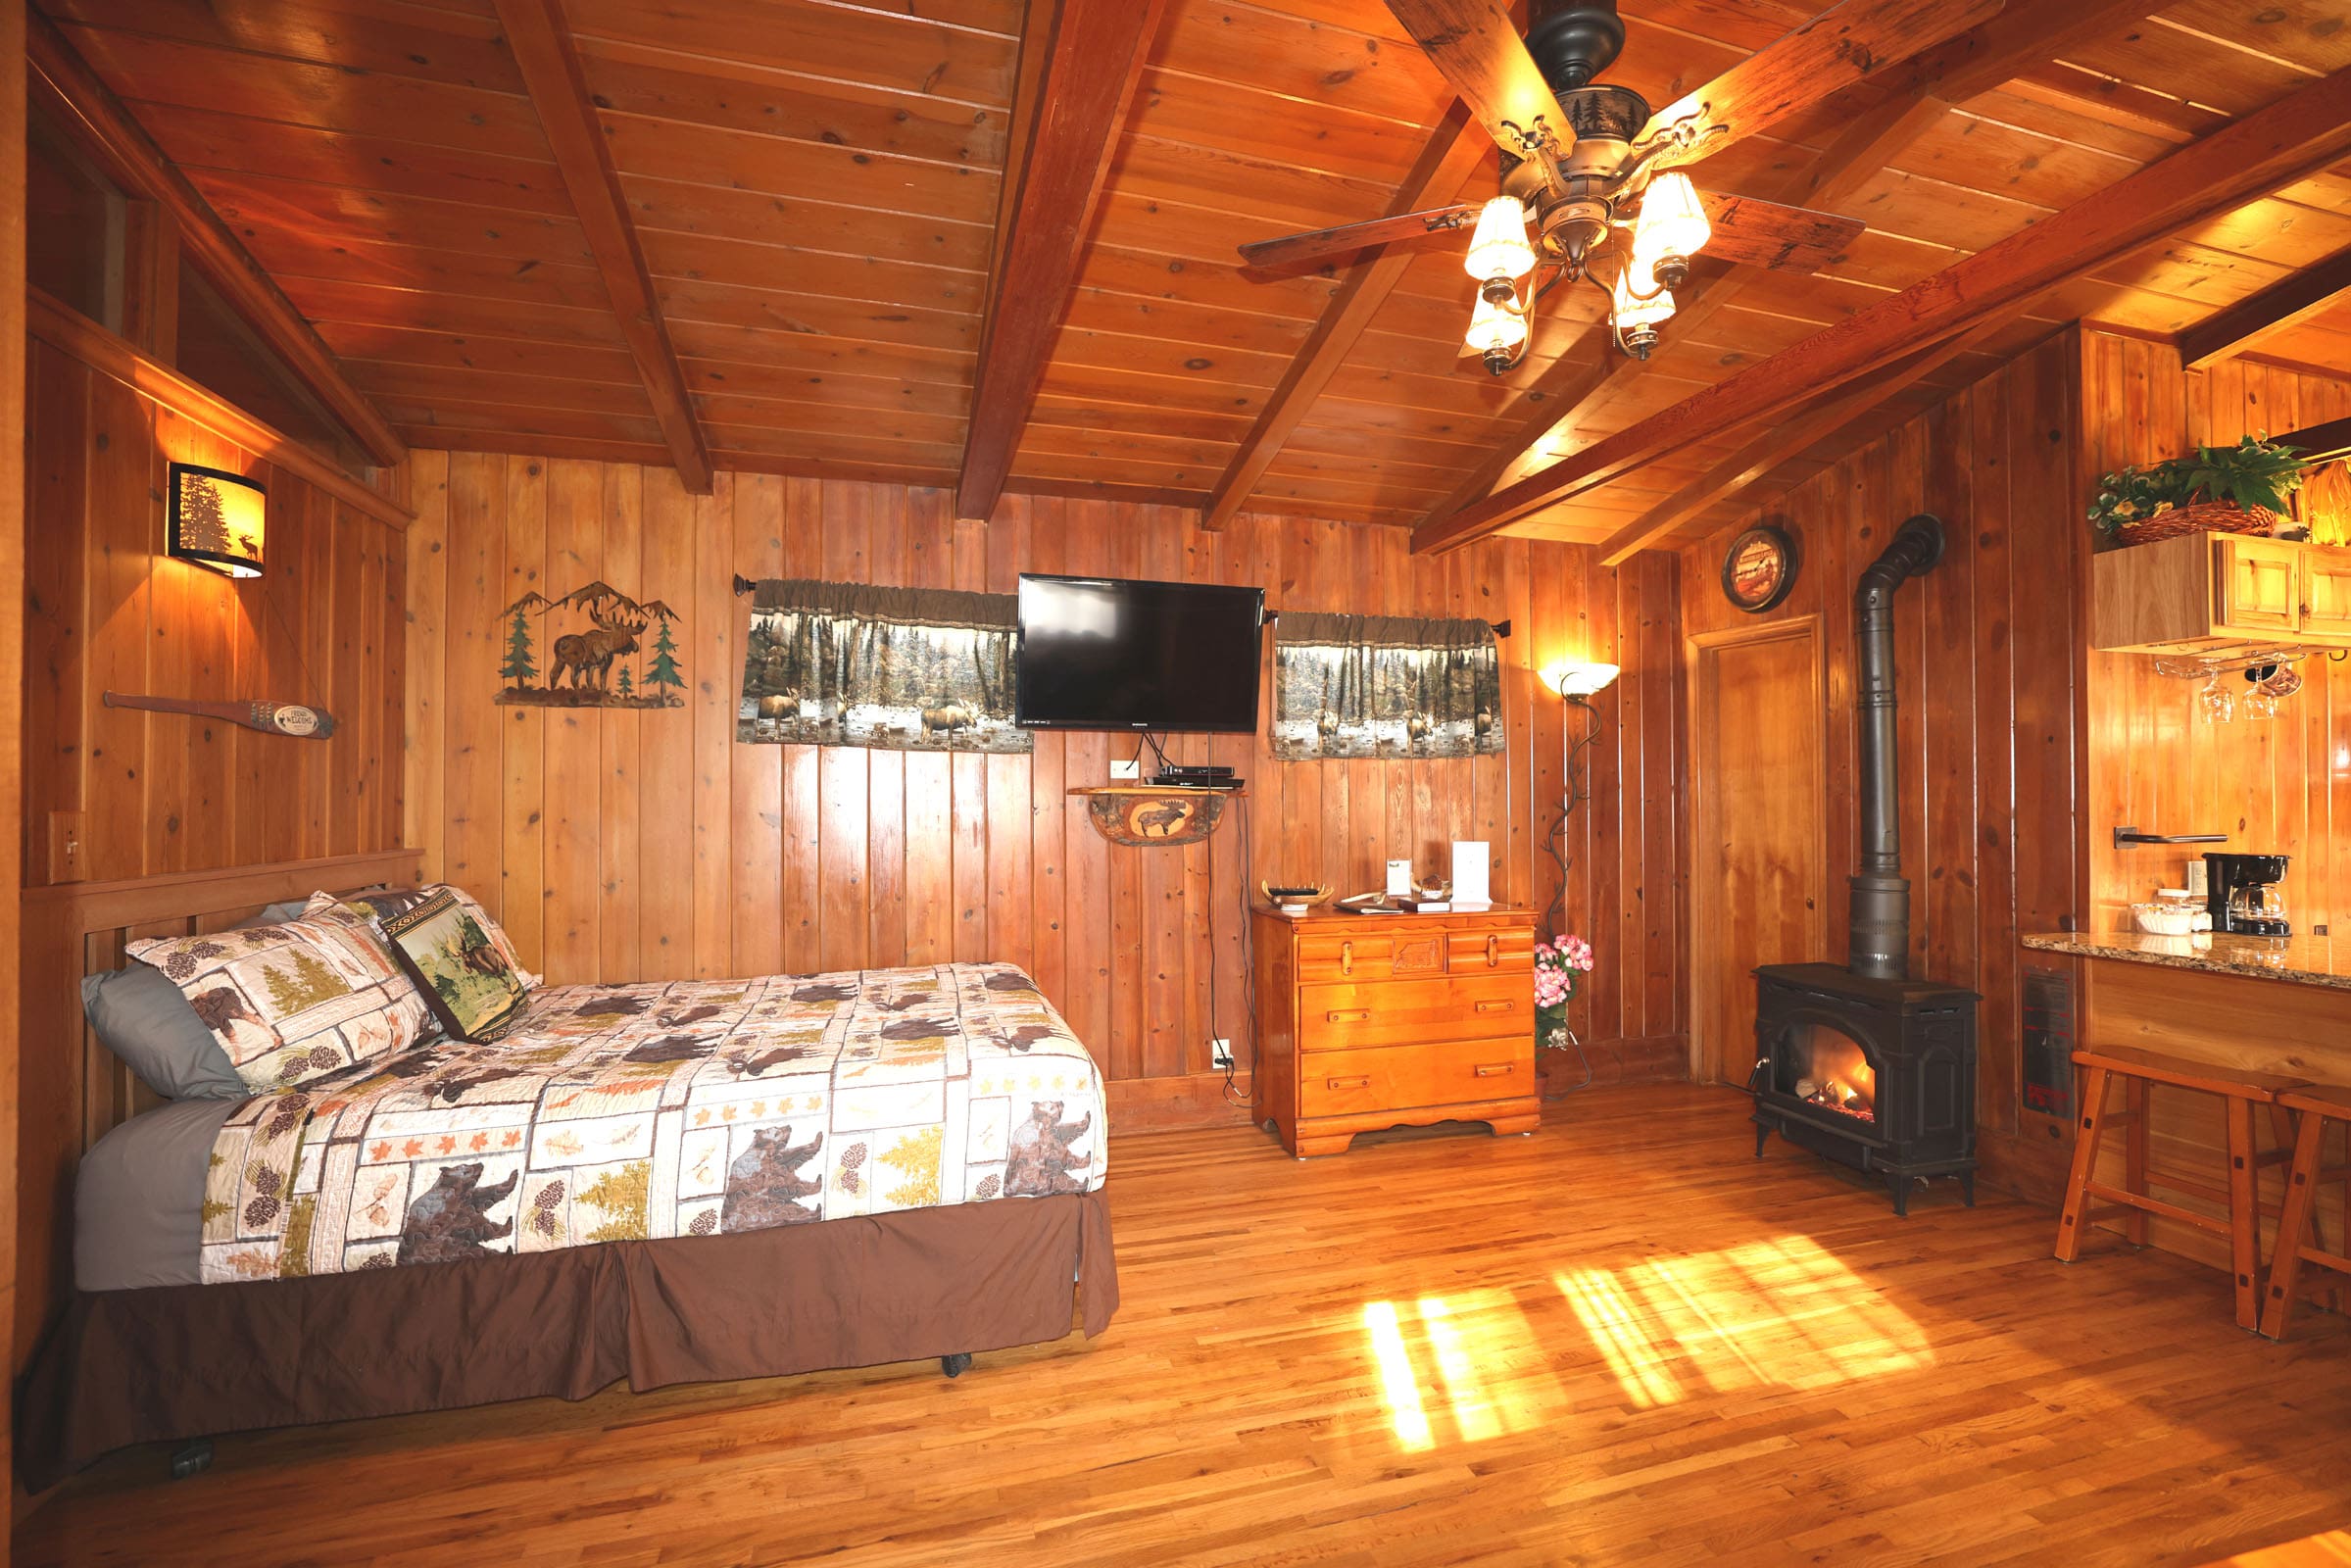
[[689, 1108]]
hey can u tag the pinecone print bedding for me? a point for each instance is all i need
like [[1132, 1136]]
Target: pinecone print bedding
[[693, 1109]]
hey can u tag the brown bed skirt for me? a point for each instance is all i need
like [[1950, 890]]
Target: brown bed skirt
[[195, 1360]]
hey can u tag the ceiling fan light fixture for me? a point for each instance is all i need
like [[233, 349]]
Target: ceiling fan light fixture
[[1497, 334], [1499, 250]]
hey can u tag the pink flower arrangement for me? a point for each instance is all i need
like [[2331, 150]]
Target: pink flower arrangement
[[1558, 968]]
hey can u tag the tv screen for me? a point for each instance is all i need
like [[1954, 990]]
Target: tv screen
[[1099, 653]]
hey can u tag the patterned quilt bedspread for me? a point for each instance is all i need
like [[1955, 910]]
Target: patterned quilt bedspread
[[689, 1108]]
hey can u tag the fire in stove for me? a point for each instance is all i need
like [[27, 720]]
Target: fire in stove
[[1840, 1076]]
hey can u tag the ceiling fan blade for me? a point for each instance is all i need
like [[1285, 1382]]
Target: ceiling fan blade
[[1479, 51], [1294, 248], [1838, 47], [1763, 234]]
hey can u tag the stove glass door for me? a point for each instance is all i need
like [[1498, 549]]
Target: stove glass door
[[1824, 1066]]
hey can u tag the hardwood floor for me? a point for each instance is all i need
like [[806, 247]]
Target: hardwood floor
[[1619, 1341]]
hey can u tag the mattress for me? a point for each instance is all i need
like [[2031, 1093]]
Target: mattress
[[619, 1113]]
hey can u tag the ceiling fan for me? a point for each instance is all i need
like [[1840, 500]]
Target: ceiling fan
[[1588, 170]]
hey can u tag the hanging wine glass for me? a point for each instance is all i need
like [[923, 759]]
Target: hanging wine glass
[[2259, 702], [2214, 703]]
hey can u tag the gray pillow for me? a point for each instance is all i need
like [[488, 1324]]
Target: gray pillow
[[275, 915], [144, 1020]]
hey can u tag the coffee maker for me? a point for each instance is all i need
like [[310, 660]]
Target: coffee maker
[[2241, 891]]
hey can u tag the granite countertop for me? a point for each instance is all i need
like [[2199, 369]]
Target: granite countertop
[[2310, 961]]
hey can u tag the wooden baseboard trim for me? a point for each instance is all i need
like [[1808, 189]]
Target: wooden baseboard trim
[[1173, 1104], [1638, 1059]]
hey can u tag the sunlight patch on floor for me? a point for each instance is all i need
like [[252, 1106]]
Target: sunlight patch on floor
[[1782, 1313], [1472, 1353]]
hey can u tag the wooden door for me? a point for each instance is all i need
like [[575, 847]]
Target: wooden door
[[2326, 594], [1758, 866], [2260, 583]]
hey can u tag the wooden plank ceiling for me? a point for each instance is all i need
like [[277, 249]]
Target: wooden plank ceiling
[[815, 185]]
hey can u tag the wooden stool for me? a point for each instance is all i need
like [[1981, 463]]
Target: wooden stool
[[2240, 1092], [2297, 1227]]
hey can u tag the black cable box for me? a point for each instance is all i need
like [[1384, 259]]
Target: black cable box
[[1196, 778]]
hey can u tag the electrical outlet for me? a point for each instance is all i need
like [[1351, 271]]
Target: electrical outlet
[[1129, 768], [68, 861], [1220, 1052]]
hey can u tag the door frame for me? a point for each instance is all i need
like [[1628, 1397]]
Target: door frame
[[1698, 653]]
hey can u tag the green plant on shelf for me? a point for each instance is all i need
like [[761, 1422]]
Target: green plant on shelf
[[2252, 475]]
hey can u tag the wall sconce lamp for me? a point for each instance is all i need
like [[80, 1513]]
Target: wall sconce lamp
[[216, 520], [1577, 682]]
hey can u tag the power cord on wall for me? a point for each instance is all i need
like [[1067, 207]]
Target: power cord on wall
[[1577, 790], [1249, 968]]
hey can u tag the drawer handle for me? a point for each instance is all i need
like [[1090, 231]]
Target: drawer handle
[[1346, 957], [1496, 1070], [1349, 1083], [1349, 1015], [1500, 1004], [1493, 952]]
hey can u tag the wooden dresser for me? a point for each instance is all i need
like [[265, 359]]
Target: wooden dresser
[[1382, 1021]]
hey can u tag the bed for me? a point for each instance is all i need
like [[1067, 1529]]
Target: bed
[[663, 1183]]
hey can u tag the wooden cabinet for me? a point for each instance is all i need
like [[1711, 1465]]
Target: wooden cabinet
[[2211, 593], [1369, 1020], [2327, 594], [2260, 585]]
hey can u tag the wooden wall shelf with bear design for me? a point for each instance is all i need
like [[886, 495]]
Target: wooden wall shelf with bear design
[[1153, 816]]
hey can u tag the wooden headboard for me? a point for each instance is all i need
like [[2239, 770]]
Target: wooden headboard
[[73, 1090]]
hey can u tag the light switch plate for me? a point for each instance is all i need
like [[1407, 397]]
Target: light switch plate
[[68, 849]]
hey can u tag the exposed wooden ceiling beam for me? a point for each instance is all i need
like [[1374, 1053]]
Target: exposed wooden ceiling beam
[[63, 83], [1452, 154], [1917, 93], [2272, 147], [2251, 321], [1087, 81], [1782, 442], [541, 41]]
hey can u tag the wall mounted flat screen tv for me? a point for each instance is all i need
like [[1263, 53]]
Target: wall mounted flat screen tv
[[1102, 653]]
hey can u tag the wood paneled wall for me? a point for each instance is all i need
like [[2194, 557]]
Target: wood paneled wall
[[1985, 659], [627, 845], [2278, 786], [107, 609]]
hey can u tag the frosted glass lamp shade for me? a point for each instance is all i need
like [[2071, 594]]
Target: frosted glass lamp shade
[[1672, 223], [1496, 328], [1579, 678], [217, 520], [1499, 248], [1631, 311]]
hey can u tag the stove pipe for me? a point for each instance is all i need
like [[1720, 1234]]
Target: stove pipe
[[1879, 944]]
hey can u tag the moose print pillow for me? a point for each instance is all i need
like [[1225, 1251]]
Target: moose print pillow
[[469, 977], [293, 1001]]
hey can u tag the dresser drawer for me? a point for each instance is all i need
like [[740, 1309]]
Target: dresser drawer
[[1370, 956], [1388, 1013], [1509, 951], [1340, 1083]]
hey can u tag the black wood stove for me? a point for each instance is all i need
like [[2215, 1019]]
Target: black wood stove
[[1863, 1063]]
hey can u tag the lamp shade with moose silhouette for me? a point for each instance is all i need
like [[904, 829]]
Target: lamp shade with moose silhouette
[[217, 520]]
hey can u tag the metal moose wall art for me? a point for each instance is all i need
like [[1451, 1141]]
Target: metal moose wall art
[[622, 654]]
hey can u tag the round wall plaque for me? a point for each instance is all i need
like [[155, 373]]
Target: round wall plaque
[[1759, 568]]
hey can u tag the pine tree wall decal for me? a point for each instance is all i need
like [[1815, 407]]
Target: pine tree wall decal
[[520, 669], [665, 672]]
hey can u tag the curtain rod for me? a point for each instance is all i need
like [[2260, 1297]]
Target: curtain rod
[[1500, 628]]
